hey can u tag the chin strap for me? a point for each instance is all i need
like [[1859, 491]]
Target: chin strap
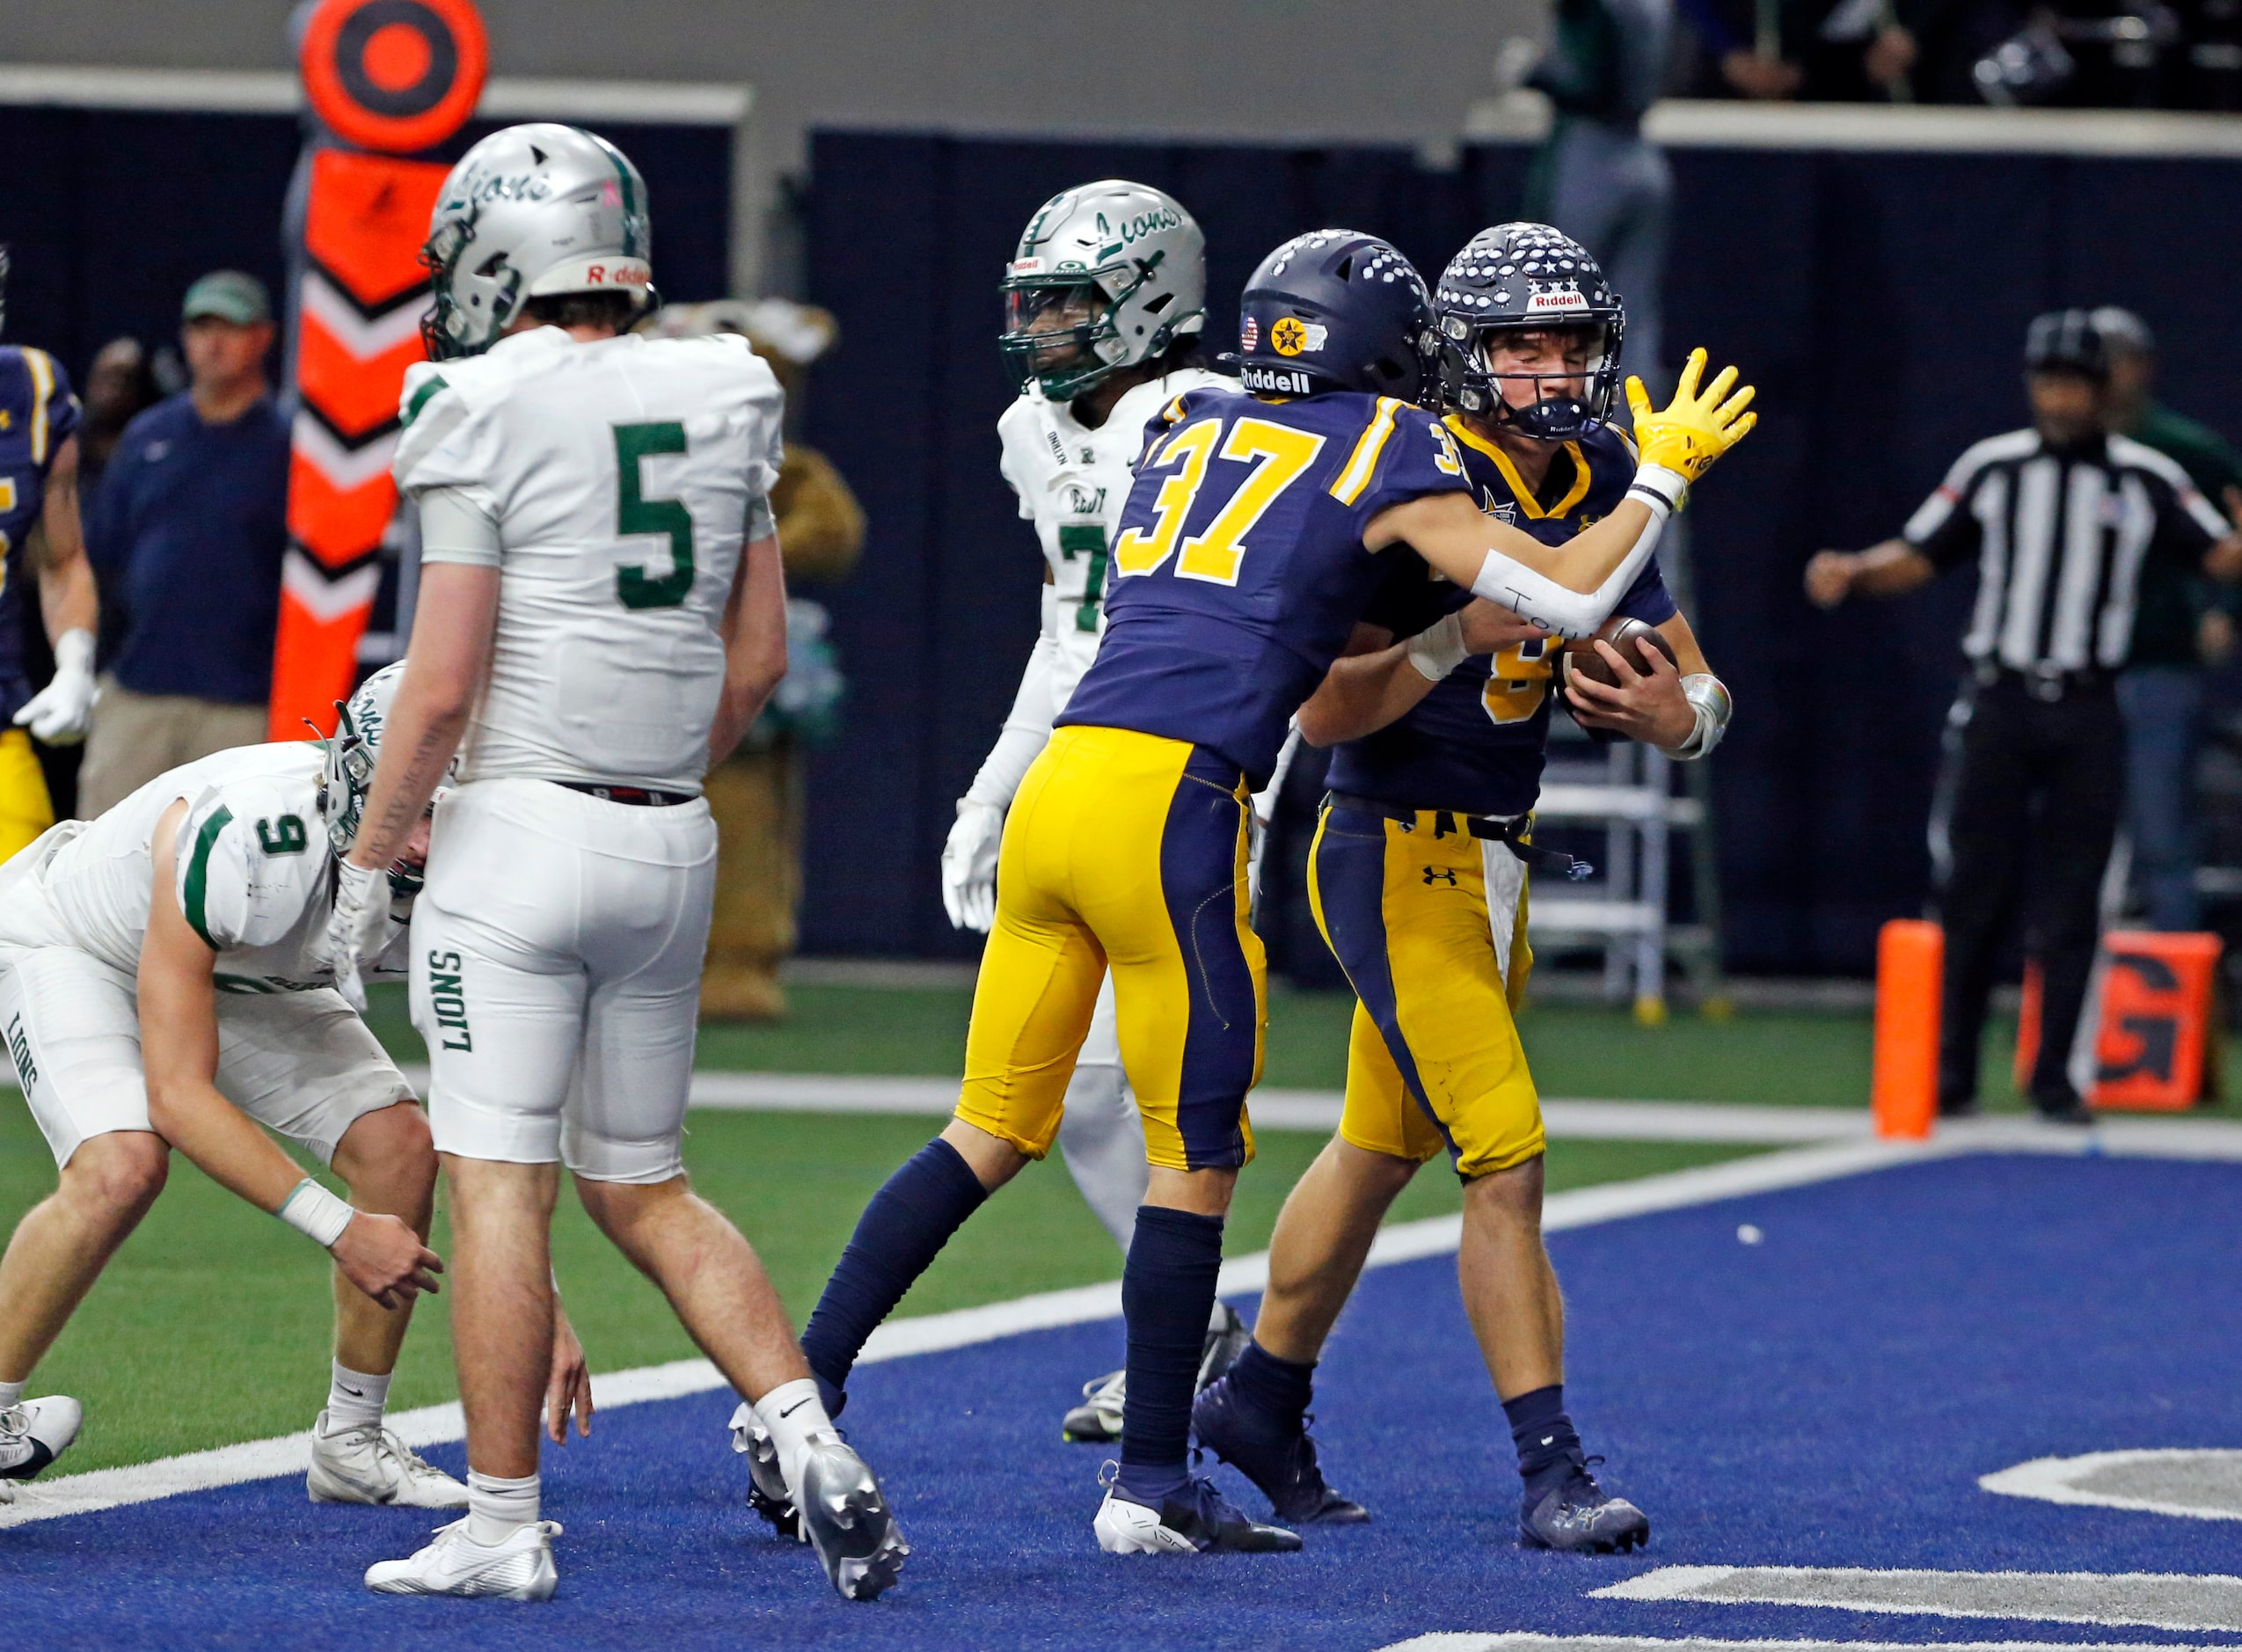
[[1708, 697]]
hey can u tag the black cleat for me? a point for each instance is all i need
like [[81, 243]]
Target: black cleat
[[1282, 1465], [1197, 1520], [1579, 1517]]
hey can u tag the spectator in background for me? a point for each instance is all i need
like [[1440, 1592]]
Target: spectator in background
[[1821, 51], [2183, 625], [120, 387], [187, 537], [1597, 178]]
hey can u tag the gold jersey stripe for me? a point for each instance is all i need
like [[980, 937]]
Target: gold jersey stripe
[[1363, 463], [42, 390]]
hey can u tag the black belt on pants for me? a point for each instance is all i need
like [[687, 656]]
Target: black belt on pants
[[2046, 685], [1510, 832], [636, 796]]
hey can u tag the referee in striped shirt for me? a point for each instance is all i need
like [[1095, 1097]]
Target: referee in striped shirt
[[2059, 519]]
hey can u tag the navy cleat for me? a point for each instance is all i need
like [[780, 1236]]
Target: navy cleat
[[1574, 1514], [1196, 1520], [1282, 1463]]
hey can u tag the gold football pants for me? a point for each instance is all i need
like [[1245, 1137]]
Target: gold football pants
[[1429, 923], [1122, 851]]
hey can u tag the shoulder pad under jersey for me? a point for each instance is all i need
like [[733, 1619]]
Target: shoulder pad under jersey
[[252, 858]]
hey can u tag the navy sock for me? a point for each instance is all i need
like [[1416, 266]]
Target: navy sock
[[1276, 1390], [1544, 1435], [899, 1235], [1167, 1293]]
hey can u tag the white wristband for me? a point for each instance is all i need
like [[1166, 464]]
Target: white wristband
[[1439, 648], [317, 1213], [1708, 699], [1665, 491]]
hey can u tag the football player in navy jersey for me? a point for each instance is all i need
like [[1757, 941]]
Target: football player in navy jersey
[[1418, 880], [40, 533], [1253, 538]]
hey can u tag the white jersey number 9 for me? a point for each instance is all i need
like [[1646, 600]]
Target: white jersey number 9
[[636, 514]]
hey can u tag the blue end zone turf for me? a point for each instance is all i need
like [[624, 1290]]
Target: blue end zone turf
[[1828, 1397]]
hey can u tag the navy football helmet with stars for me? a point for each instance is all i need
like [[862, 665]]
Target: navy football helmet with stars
[[1514, 277], [1335, 310]]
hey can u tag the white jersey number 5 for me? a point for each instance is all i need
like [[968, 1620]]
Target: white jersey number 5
[[636, 514]]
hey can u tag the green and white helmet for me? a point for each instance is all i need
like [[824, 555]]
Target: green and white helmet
[[1107, 275], [530, 212], [351, 751]]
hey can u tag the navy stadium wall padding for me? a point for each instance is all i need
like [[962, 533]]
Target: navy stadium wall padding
[[1878, 300]]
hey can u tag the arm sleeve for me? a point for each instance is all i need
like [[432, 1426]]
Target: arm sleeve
[[456, 526], [246, 865], [1535, 596], [1943, 529], [1027, 726]]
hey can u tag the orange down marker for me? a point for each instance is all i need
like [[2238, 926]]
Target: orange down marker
[[1910, 961]]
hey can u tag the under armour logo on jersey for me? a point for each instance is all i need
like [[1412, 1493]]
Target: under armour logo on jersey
[[1434, 875]]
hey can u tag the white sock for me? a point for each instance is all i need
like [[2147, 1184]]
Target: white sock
[[354, 1400], [497, 1508], [12, 1394], [794, 1413]]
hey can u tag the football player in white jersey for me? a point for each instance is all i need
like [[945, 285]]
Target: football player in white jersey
[[165, 981], [1103, 301], [601, 615]]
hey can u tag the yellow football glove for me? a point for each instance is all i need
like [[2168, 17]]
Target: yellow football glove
[[1695, 428]]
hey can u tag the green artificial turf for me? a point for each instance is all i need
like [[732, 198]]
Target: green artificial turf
[[1796, 1058], [212, 1324]]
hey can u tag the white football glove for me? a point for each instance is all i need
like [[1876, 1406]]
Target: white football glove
[[60, 713], [359, 929], [969, 866]]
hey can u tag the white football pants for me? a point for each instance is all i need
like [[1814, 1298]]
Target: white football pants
[[556, 976]]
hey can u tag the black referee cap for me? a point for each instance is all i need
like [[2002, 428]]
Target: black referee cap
[[2066, 341]]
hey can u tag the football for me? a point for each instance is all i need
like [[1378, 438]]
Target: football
[[1630, 636]]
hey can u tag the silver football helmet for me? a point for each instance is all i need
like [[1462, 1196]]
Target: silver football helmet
[[1107, 276], [529, 212]]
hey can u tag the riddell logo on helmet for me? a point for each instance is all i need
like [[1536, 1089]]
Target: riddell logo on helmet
[[1555, 298], [1285, 381], [617, 275]]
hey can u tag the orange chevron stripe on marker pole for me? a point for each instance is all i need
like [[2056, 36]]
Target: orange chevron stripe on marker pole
[[359, 292]]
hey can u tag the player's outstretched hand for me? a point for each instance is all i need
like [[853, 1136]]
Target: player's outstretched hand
[[1490, 627], [969, 866], [61, 713], [569, 1387], [1697, 427], [386, 1259]]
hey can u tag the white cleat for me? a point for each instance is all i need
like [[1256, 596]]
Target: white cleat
[[33, 1434], [847, 1521], [767, 1492], [520, 1569], [370, 1465]]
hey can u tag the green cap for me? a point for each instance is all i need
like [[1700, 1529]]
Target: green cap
[[230, 296]]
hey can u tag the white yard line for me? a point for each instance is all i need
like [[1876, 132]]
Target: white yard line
[[2191, 1483], [899, 1339], [2187, 1602]]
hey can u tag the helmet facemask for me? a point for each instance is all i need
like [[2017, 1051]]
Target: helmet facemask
[[451, 330], [1067, 335], [1566, 403], [346, 775]]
